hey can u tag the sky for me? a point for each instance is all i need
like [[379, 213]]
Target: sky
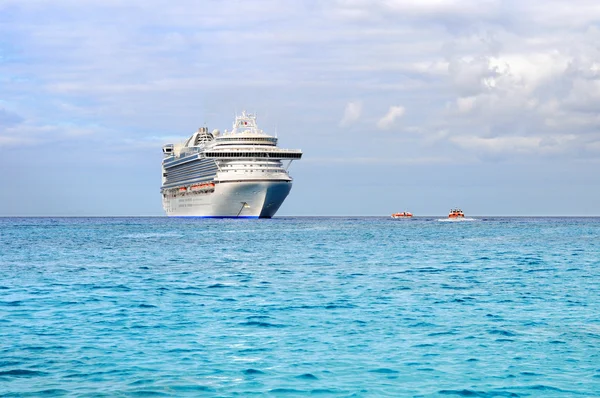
[[488, 105]]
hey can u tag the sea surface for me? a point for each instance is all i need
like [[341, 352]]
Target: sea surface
[[340, 307]]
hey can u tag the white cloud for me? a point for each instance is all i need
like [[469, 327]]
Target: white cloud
[[368, 9], [351, 113], [551, 144], [498, 144], [476, 68], [30, 133], [394, 113], [14, 141], [8, 118], [523, 102]]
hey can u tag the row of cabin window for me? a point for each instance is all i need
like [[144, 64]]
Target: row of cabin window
[[248, 139], [252, 171], [247, 165], [252, 155]]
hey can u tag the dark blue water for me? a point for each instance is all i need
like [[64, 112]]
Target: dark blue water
[[349, 307]]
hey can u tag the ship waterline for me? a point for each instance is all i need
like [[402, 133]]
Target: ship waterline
[[241, 173]]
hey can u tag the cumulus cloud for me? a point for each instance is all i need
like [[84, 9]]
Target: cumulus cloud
[[388, 120], [352, 113]]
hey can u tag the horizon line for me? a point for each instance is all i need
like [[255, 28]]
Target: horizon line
[[299, 216]]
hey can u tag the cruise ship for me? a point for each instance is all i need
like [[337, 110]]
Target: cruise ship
[[237, 173]]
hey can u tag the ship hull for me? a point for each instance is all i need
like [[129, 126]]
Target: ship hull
[[239, 199]]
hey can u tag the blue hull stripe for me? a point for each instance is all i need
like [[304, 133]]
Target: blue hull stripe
[[214, 216]]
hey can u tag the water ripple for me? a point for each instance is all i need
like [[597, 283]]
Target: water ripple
[[503, 307]]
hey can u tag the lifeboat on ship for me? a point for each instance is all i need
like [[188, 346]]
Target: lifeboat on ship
[[456, 213], [404, 214]]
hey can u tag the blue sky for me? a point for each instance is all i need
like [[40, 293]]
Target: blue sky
[[398, 105]]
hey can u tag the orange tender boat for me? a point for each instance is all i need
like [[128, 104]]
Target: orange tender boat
[[456, 213], [404, 214]]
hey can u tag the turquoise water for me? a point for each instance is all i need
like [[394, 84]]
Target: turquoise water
[[348, 307]]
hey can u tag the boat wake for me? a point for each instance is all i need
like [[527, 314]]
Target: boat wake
[[457, 219]]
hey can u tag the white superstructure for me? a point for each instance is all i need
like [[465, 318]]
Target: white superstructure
[[241, 173]]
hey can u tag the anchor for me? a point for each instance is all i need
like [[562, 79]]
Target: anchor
[[244, 204]]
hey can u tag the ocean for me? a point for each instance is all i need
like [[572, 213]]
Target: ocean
[[340, 307]]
